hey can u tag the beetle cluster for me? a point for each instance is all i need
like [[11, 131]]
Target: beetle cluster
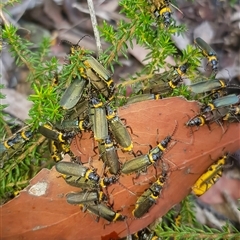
[[88, 106], [88, 102], [223, 95], [222, 105]]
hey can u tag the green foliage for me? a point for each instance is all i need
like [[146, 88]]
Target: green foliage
[[182, 91], [42, 110], [150, 33], [26, 161], [41, 72], [186, 232], [2, 121], [18, 46], [9, 2], [188, 227], [232, 3], [18, 170], [2, 96]]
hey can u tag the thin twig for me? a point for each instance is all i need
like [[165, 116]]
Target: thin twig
[[94, 25], [4, 20]]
